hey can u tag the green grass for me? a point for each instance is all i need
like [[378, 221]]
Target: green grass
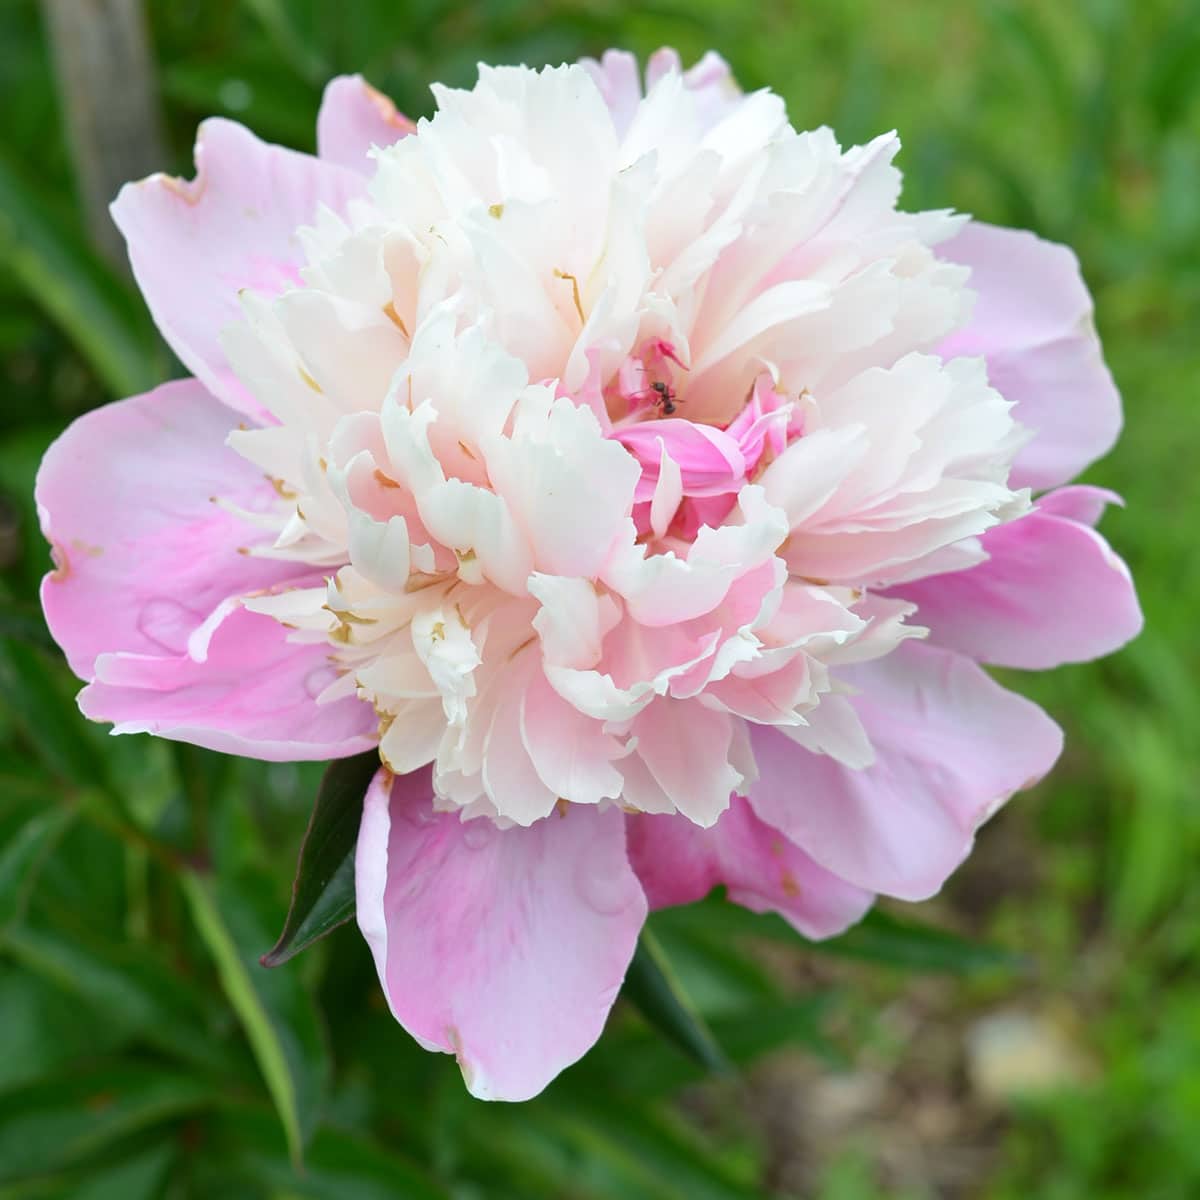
[[1080, 120]]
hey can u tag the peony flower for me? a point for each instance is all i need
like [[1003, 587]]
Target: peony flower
[[628, 469]]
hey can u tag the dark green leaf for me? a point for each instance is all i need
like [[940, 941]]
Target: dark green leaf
[[46, 713], [323, 891], [57, 1123], [882, 938], [337, 1166], [21, 856], [135, 991], [44, 1028], [653, 987]]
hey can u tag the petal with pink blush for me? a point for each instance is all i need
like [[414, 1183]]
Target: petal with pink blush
[[687, 749], [951, 746], [353, 118], [1052, 591], [679, 862], [252, 693], [194, 245], [505, 948], [135, 498], [1033, 323]]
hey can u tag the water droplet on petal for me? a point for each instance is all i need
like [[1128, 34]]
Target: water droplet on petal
[[600, 887], [168, 624], [478, 833], [318, 679]]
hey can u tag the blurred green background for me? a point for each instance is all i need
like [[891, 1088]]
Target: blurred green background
[[1047, 1045]]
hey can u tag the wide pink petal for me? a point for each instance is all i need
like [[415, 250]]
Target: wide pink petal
[[247, 690], [1052, 591], [504, 948], [951, 746], [134, 499], [353, 118], [194, 245], [1033, 324], [679, 862]]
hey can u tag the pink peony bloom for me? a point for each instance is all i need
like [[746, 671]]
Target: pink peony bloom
[[626, 467]]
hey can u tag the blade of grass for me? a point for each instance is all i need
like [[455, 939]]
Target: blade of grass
[[248, 1004]]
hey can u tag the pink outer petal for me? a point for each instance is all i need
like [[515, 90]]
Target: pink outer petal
[[194, 245], [1033, 324], [125, 497], [353, 118], [951, 746], [679, 862], [1052, 592], [504, 948], [253, 693]]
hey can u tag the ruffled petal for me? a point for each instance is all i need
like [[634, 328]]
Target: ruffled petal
[[136, 499], [950, 746], [505, 948], [679, 862], [1033, 324], [194, 245]]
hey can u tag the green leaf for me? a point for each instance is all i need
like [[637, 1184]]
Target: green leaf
[[97, 311], [32, 687], [273, 1008], [879, 937], [131, 986], [44, 1028], [323, 891], [653, 987], [337, 1166], [882, 938], [57, 1123], [139, 1178], [21, 856]]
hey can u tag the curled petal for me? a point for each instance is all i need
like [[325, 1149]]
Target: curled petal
[[1033, 324], [146, 532], [1051, 591], [678, 862], [505, 948], [353, 118], [232, 227], [248, 691], [950, 747]]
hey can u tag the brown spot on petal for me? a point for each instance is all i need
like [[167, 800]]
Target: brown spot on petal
[[466, 449], [787, 881], [62, 563], [388, 111], [527, 642], [188, 190], [454, 1040], [384, 480], [561, 806]]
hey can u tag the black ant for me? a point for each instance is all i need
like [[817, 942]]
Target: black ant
[[665, 397]]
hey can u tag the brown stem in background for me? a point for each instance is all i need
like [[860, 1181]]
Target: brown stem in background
[[109, 94]]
